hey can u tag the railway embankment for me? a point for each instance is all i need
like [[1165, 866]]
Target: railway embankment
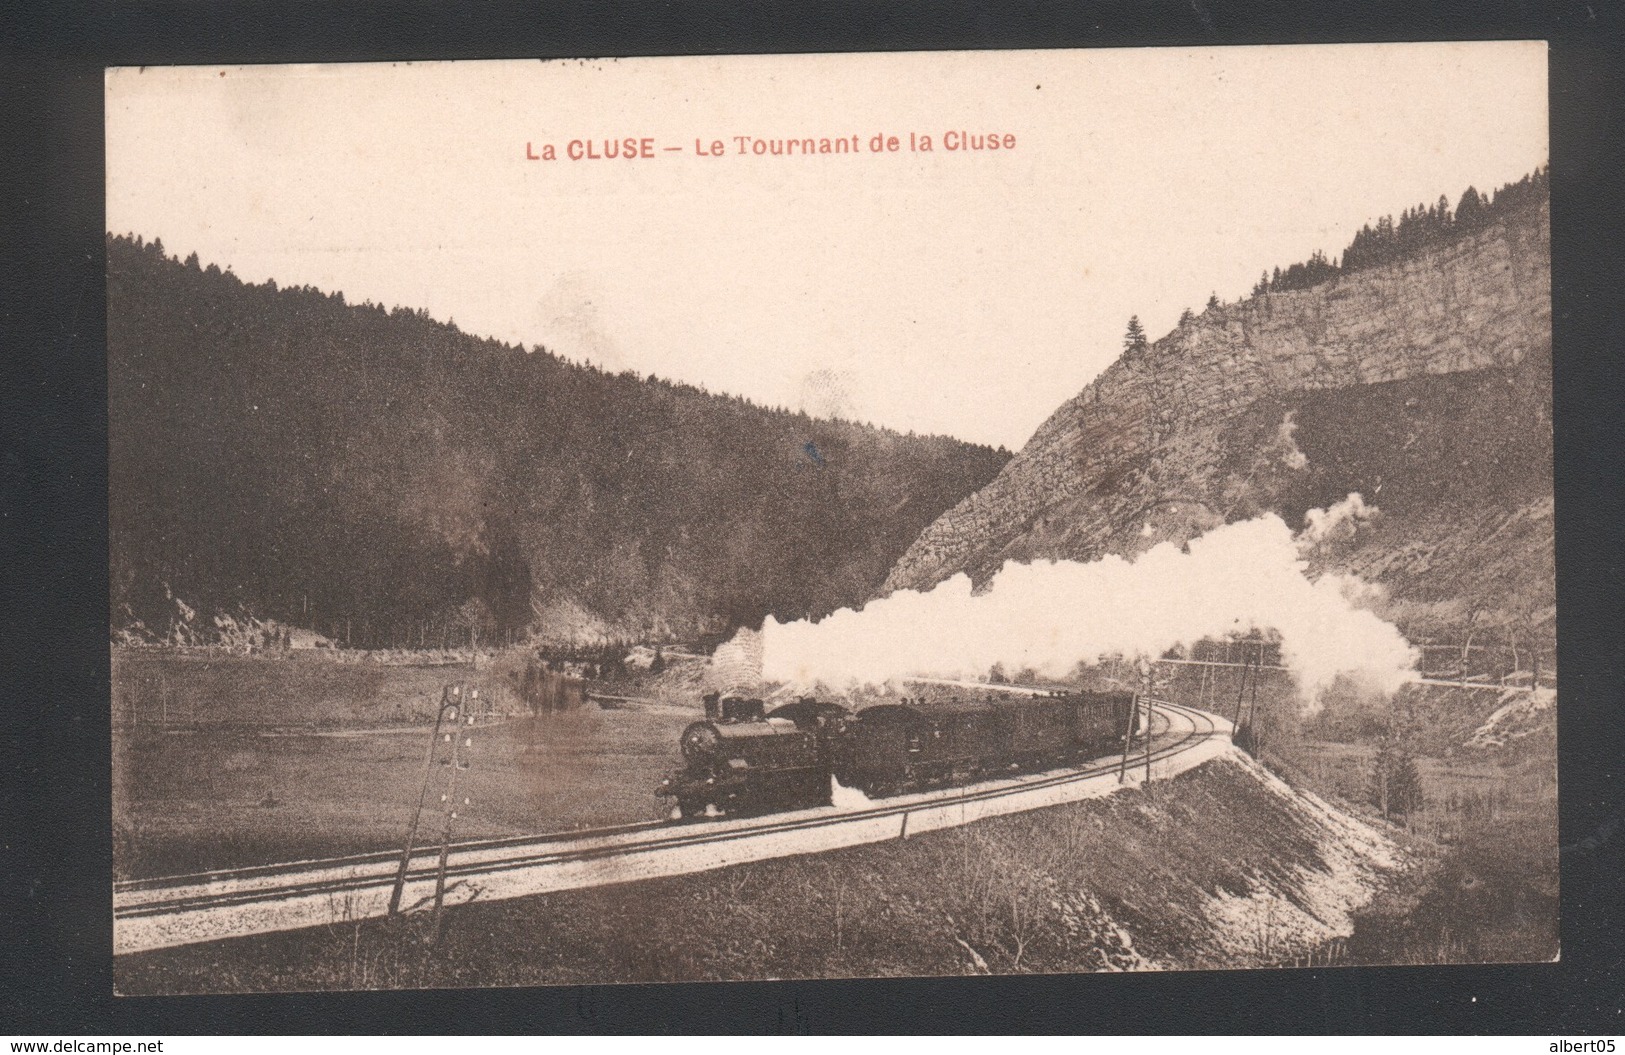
[[1224, 865]]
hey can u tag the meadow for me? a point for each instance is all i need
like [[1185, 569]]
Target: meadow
[[280, 758]]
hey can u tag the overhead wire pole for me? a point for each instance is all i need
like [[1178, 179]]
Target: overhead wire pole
[[1241, 691], [1150, 694], [1128, 737], [1252, 707], [449, 697], [459, 740]]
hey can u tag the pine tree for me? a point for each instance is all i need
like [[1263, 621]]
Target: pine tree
[[1212, 302], [1186, 318], [1134, 337], [1396, 782], [1470, 213]]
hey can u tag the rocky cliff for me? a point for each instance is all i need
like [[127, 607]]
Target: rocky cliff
[[1423, 383]]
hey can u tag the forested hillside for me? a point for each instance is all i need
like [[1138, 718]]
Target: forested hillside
[[383, 478]]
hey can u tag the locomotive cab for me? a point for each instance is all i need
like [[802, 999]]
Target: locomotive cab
[[733, 708]]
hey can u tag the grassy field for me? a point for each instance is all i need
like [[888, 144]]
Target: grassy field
[[280, 759]]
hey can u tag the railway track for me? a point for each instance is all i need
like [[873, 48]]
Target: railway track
[[186, 909]]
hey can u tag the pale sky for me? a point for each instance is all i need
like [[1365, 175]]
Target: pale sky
[[966, 293]]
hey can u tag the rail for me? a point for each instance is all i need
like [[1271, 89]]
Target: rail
[[207, 906]]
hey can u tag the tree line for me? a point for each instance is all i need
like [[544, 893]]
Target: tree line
[[1418, 227]]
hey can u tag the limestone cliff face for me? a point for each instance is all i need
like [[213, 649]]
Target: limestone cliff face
[[1181, 437]]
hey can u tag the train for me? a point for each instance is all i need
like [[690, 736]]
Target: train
[[744, 759]]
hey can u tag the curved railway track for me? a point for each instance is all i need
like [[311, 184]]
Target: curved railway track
[[184, 909]]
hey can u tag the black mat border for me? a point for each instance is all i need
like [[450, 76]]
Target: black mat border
[[55, 975]]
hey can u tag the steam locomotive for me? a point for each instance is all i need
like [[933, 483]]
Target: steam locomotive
[[744, 759]]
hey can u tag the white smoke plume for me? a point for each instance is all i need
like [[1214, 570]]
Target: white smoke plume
[[1336, 522], [1050, 615], [736, 665], [1286, 439]]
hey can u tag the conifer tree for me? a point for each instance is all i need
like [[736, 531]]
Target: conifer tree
[[1134, 337], [1470, 211], [1396, 782]]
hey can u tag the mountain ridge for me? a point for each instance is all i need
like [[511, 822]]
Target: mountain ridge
[[1149, 450], [387, 480]]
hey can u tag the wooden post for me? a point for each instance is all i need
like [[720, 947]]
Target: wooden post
[[1241, 690], [1128, 737], [459, 740], [1148, 741], [447, 700], [1252, 707]]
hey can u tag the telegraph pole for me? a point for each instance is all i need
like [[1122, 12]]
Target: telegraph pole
[[450, 697], [1252, 707], [1150, 695], [459, 740], [1241, 690], [1128, 737], [450, 727]]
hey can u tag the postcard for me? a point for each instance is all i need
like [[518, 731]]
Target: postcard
[[830, 516]]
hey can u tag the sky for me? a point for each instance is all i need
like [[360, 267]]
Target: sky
[[966, 292]]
